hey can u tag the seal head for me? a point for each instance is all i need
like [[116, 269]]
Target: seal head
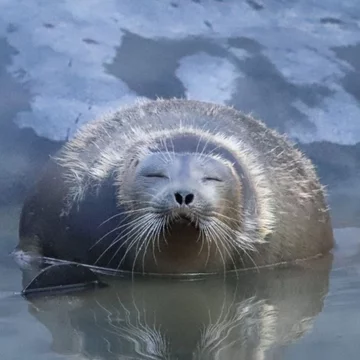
[[185, 206]]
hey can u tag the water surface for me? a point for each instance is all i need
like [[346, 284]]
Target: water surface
[[310, 310]]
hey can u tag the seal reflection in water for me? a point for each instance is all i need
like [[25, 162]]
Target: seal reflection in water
[[260, 315], [177, 186]]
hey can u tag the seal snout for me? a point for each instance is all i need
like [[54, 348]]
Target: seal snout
[[184, 197], [182, 207], [184, 201]]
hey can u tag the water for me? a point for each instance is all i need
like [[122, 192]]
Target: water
[[310, 310]]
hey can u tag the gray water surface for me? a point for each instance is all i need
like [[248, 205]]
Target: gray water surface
[[310, 310]]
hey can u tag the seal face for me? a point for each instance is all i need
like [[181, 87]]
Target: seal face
[[157, 188], [185, 204]]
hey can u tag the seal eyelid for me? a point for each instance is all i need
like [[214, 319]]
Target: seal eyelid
[[212, 178], [156, 175]]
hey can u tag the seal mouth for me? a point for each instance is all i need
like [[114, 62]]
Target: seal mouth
[[185, 219]]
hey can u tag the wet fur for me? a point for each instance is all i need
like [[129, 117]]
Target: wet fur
[[80, 189]]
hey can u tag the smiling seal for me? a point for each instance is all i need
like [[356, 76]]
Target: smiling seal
[[177, 186]]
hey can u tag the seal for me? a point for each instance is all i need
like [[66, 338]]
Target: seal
[[177, 186]]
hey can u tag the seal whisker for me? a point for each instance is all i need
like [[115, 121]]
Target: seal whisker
[[116, 229], [242, 242], [159, 232], [202, 236], [142, 240], [128, 202], [198, 144], [153, 241], [205, 145], [199, 239], [164, 158], [167, 150], [166, 228], [107, 234], [208, 242], [240, 248], [122, 213], [222, 237], [228, 237], [165, 154], [123, 237], [209, 231], [130, 242], [213, 152], [251, 259], [232, 219], [173, 148], [150, 236], [135, 237]]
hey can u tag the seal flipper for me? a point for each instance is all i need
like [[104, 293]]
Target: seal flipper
[[62, 278]]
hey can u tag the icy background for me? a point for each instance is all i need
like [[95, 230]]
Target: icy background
[[295, 64]]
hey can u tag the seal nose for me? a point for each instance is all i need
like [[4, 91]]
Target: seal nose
[[182, 198]]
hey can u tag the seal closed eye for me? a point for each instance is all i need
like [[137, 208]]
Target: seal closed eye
[[157, 187]]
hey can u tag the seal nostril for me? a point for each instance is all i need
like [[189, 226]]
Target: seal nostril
[[178, 198], [189, 198]]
